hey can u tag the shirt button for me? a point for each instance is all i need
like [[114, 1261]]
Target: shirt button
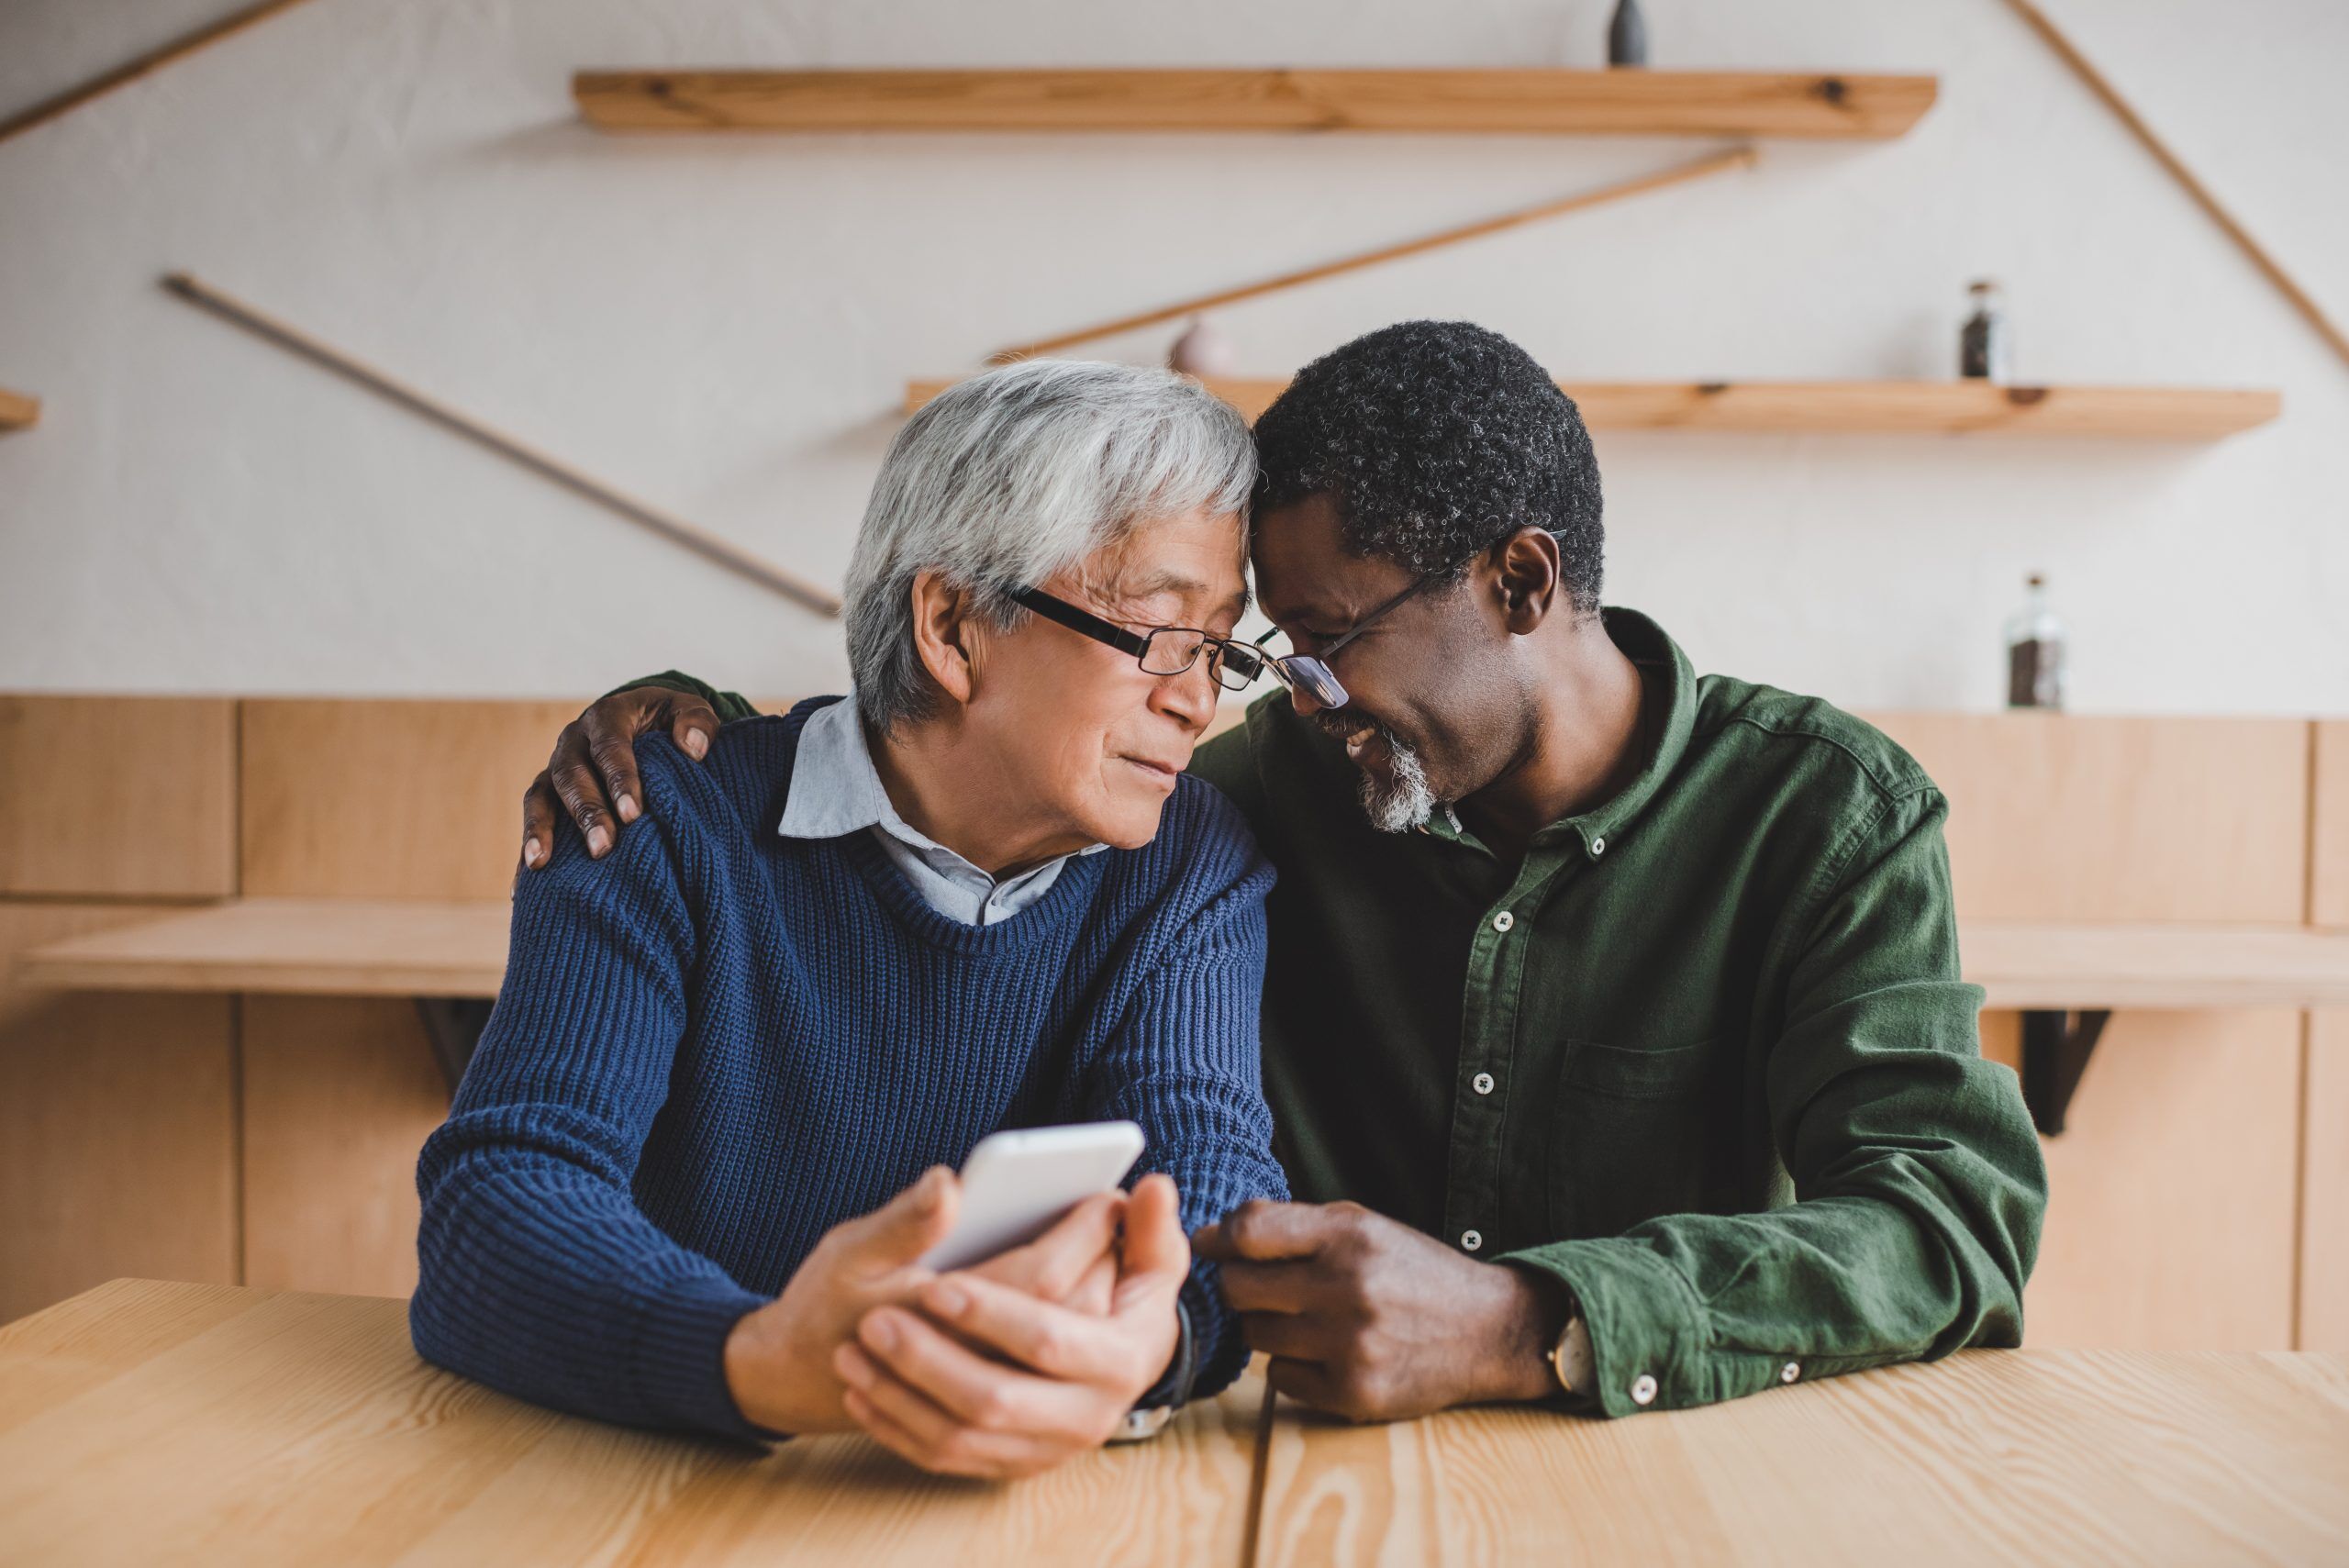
[[1481, 1083], [1504, 920], [1790, 1371], [1643, 1390], [1598, 845], [1471, 1239]]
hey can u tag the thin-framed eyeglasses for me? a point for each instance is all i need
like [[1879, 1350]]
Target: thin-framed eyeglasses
[[1311, 673], [1159, 649]]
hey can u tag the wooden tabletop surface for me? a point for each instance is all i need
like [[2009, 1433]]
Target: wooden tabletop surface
[[154, 1423]]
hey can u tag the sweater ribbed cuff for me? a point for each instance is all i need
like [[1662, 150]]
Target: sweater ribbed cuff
[[677, 1356]]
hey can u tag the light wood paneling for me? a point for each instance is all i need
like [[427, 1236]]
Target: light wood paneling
[[389, 799], [117, 797], [1552, 102], [2329, 849], [118, 1151], [302, 1430], [2170, 1219], [2108, 819], [1867, 407], [335, 947], [1991, 1456], [2324, 1201], [340, 1095]]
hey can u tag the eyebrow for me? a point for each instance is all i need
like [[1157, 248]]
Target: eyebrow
[[1167, 581]]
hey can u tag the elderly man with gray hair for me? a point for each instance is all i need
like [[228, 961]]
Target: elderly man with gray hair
[[706, 1139]]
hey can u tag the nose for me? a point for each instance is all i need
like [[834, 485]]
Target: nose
[[1188, 698], [1306, 704]]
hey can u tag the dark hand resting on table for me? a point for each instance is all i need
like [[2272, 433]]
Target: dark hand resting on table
[[1364, 1316]]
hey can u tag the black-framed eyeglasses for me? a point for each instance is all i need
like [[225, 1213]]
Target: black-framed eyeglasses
[[1160, 651], [1311, 673]]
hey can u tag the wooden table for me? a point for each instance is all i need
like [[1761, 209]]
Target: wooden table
[[155, 1424]]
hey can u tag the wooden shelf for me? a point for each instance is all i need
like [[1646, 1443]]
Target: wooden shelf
[[1878, 408], [1539, 101], [18, 412], [342, 947], [2068, 967], [412, 947]]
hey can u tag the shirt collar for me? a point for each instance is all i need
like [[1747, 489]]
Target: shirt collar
[[835, 790]]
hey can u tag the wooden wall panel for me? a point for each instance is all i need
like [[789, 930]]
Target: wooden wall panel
[[387, 799], [117, 1135], [340, 1095], [2324, 1204], [117, 797], [2107, 820], [2329, 850], [2170, 1219]]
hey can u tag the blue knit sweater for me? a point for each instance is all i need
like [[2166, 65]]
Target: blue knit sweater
[[718, 1043]]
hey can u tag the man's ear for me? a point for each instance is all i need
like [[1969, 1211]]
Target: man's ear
[[1526, 575], [943, 634]]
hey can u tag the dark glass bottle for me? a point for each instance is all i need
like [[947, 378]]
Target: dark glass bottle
[[1986, 344], [1627, 35], [2035, 641]]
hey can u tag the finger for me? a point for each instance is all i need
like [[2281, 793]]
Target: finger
[[581, 792], [1094, 1292], [1270, 1287], [537, 821], [611, 747], [693, 726], [1153, 1243], [936, 1437], [1262, 1230], [1052, 1339], [898, 1233], [1052, 1264], [1290, 1336], [976, 1392], [964, 1452], [1307, 1383]]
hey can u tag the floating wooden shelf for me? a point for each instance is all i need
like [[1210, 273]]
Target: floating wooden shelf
[[1541, 102], [18, 412], [2084, 968], [410, 948], [1883, 407]]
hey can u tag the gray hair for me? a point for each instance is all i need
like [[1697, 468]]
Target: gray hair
[[1011, 476]]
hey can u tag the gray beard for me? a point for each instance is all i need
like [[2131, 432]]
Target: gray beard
[[1405, 804]]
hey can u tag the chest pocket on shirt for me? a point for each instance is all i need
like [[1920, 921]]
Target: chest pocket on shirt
[[1641, 1131]]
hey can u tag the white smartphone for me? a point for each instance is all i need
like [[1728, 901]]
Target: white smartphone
[[1016, 1185]]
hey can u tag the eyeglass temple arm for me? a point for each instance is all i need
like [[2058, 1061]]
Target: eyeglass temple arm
[[1081, 621]]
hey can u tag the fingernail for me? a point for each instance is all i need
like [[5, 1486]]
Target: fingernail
[[600, 839], [696, 744], [849, 1365], [950, 1299], [880, 1333], [530, 852], [628, 808]]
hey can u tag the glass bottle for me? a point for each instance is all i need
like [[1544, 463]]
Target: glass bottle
[[1627, 35], [1985, 343], [2035, 640]]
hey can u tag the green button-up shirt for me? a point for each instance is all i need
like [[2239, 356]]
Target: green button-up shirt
[[1703, 1056]]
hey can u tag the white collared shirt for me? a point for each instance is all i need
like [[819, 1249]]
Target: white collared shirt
[[835, 791]]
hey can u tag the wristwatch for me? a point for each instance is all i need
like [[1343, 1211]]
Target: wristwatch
[[1570, 1358]]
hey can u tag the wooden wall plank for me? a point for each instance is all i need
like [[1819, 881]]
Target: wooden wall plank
[[2120, 819], [387, 799], [340, 1095], [117, 797], [117, 1136], [2170, 1225], [2325, 1191], [2328, 821]]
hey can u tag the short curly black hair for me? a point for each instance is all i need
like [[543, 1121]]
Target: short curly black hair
[[1437, 440]]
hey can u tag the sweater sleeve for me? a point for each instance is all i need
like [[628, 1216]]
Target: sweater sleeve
[[1182, 1061], [539, 1274]]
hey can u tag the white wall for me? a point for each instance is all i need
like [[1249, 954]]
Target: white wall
[[724, 325]]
